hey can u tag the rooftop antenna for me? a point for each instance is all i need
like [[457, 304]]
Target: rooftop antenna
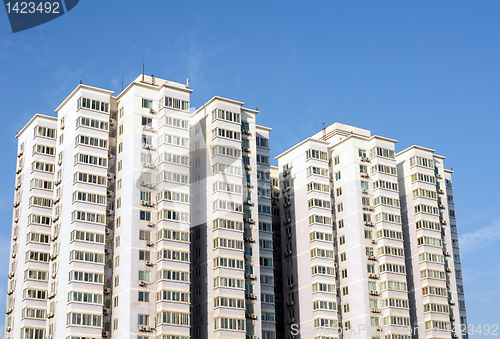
[[143, 70], [324, 128], [152, 79], [80, 82], [122, 83], [187, 83]]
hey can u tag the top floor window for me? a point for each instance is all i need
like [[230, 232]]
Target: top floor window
[[226, 115], [45, 132], [174, 103], [92, 104], [419, 161], [382, 152], [147, 103], [262, 142], [312, 153]]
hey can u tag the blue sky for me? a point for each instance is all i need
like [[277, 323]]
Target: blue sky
[[425, 73]]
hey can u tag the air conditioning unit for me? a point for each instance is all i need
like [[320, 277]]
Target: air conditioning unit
[[374, 242], [246, 131], [370, 209], [52, 295], [245, 149], [56, 217], [288, 220], [13, 254], [150, 204], [54, 237], [447, 269], [452, 318], [291, 320], [106, 251], [19, 170], [247, 167], [287, 203], [372, 276], [372, 257], [289, 235], [109, 212], [11, 275], [149, 263], [375, 310], [106, 231], [106, 290], [290, 286], [50, 315], [142, 283], [455, 335], [251, 221], [251, 337], [14, 237], [9, 310], [441, 206], [249, 184], [9, 329], [58, 182], [16, 219], [452, 302], [17, 203], [18, 185], [59, 162], [54, 275], [9, 292], [287, 253], [371, 292], [379, 329], [53, 256], [56, 200], [250, 239], [152, 111], [252, 276], [110, 176], [105, 334], [151, 224], [149, 243], [144, 203], [20, 153], [105, 311], [446, 253], [248, 202], [443, 222], [290, 303]]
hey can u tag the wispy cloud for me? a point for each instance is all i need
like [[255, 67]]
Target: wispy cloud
[[480, 238]]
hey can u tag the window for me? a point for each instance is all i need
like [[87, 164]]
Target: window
[[143, 296], [144, 235], [143, 319]]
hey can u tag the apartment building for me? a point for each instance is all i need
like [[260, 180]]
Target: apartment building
[[231, 203], [345, 190], [430, 230], [29, 269]]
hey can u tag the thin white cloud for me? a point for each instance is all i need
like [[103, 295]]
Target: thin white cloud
[[480, 238]]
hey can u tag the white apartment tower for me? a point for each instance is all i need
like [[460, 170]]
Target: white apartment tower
[[437, 301], [231, 192], [30, 268], [352, 266]]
